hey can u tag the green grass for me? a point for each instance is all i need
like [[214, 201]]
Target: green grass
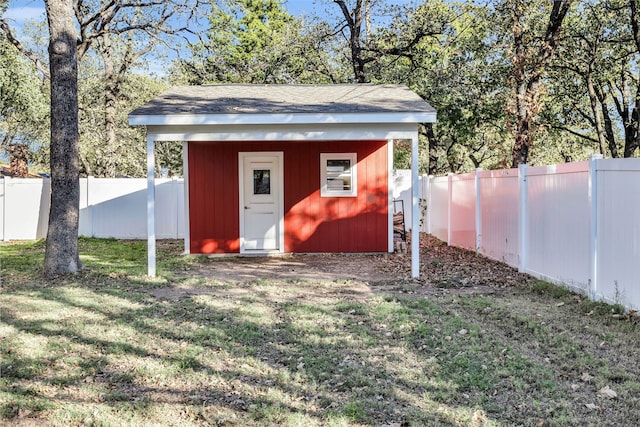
[[99, 348]]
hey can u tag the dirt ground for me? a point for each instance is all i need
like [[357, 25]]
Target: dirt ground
[[443, 270]]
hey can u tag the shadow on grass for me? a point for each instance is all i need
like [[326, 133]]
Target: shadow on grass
[[335, 378], [103, 332], [99, 341]]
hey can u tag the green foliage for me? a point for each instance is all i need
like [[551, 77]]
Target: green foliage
[[453, 70], [249, 41], [593, 84], [456, 55], [130, 144], [24, 110]]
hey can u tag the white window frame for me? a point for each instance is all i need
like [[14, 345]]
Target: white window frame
[[325, 191]]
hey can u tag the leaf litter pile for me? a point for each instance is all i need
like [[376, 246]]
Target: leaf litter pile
[[336, 340]]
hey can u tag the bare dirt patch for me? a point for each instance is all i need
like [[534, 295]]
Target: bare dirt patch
[[443, 270]]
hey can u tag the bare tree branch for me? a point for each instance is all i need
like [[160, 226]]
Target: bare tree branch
[[42, 68], [573, 132]]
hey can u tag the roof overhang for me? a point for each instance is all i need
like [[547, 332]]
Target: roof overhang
[[282, 132], [280, 119]]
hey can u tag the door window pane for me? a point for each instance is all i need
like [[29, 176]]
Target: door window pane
[[261, 181]]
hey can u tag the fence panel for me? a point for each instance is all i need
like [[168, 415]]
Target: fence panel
[[438, 208], [118, 208], [169, 209], [402, 191], [85, 225], [463, 211], [26, 208], [499, 237], [618, 250], [558, 226], [425, 184]]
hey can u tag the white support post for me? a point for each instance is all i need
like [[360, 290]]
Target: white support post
[[391, 191], [151, 210], [478, 210], [429, 180], [415, 220], [523, 216], [185, 173], [593, 232]]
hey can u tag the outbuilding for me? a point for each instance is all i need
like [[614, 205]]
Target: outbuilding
[[286, 168]]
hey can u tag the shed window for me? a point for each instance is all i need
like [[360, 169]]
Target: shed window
[[338, 176]]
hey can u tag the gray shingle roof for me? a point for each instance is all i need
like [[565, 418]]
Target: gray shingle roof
[[284, 99]]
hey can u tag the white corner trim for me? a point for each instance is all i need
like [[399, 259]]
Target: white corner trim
[[390, 193], [185, 174]]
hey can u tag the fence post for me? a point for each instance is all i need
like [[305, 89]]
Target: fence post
[[429, 181], [523, 216], [4, 208], [449, 203], [593, 225], [176, 209], [478, 210], [88, 206]]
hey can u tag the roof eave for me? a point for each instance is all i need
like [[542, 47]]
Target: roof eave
[[280, 119]]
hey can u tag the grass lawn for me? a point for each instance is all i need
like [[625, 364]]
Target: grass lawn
[[110, 347]]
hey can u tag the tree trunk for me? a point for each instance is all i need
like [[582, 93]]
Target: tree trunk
[[632, 133], [632, 127], [432, 142], [593, 102], [18, 160], [529, 75], [61, 254], [354, 20], [608, 124], [110, 87]]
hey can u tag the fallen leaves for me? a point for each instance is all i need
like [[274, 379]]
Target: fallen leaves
[[452, 268], [607, 392], [586, 377]]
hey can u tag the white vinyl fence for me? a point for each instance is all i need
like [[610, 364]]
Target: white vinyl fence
[[575, 224], [116, 207], [108, 208]]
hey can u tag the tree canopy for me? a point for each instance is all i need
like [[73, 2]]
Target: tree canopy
[[513, 81]]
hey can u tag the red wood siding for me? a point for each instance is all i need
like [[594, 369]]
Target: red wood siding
[[312, 223]]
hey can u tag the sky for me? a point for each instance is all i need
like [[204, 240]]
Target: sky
[[25, 10], [21, 11]]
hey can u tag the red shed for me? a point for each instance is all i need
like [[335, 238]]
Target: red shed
[[285, 168]]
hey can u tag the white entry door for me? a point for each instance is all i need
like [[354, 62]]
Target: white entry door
[[261, 202]]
